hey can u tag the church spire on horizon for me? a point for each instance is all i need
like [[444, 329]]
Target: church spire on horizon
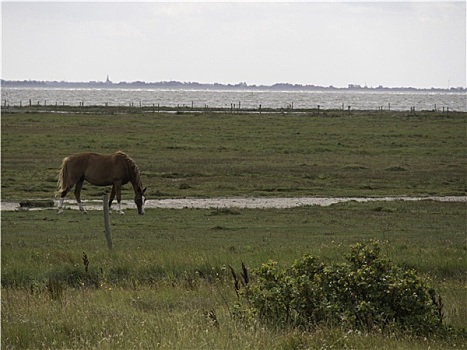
[[108, 80]]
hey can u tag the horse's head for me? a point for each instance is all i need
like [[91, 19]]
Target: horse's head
[[139, 200]]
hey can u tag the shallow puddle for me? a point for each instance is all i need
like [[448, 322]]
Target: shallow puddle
[[235, 202]]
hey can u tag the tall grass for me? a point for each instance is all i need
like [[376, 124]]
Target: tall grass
[[163, 318], [166, 283]]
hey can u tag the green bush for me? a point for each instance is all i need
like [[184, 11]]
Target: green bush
[[368, 292]]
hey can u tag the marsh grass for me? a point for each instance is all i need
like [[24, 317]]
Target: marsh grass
[[167, 277], [163, 318], [166, 283], [209, 155]]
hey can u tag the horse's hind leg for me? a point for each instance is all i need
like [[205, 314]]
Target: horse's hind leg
[[62, 199], [60, 203], [78, 187]]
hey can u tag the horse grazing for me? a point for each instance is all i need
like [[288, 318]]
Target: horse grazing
[[101, 170]]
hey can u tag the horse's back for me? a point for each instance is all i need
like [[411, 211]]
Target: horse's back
[[104, 169], [98, 169], [79, 162]]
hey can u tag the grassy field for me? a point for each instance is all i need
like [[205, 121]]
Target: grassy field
[[166, 284], [209, 155]]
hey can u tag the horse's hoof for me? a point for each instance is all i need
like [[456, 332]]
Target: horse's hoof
[[60, 211], [121, 212]]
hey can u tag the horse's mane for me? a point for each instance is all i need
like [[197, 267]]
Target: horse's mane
[[131, 164]]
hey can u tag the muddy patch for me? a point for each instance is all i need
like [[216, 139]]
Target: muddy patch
[[240, 202]]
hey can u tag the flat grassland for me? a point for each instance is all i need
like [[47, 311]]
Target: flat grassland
[[209, 155], [166, 283]]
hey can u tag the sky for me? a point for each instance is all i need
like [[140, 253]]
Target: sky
[[394, 44]]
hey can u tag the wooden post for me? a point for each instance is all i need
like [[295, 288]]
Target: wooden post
[[108, 234]]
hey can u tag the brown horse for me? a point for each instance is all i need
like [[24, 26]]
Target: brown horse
[[101, 170]]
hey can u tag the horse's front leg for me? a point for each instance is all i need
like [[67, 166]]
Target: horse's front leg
[[118, 192], [78, 187], [112, 196]]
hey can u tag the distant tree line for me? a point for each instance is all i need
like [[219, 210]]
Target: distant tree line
[[211, 86]]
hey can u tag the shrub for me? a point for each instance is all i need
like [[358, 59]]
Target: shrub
[[368, 292]]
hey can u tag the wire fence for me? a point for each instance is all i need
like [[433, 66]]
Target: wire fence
[[145, 107]]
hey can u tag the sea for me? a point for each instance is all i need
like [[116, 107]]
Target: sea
[[248, 99]]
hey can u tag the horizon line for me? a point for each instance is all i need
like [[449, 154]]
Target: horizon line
[[349, 86]]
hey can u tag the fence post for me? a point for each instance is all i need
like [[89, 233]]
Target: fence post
[[108, 234]]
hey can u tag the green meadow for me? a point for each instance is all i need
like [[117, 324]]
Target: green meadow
[[219, 154], [167, 282]]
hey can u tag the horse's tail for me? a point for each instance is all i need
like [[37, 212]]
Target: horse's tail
[[62, 177]]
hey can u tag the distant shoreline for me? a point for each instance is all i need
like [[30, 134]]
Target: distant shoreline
[[212, 86]]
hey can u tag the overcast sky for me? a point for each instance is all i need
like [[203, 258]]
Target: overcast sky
[[419, 44]]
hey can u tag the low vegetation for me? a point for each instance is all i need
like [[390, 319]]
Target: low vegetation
[[211, 155], [167, 283], [367, 293]]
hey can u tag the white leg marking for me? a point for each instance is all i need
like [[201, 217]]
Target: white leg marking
[[60, 205], [81, 208], [119, 209]]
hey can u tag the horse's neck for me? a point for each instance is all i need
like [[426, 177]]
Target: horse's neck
[[135, 181], [133, 175]]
